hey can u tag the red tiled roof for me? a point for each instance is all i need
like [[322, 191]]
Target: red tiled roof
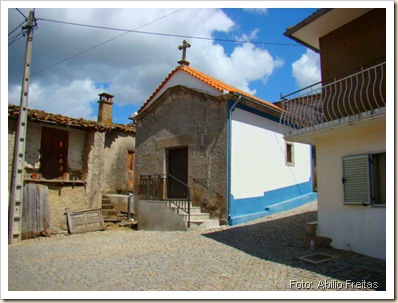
[[42, 116], [217, 84]]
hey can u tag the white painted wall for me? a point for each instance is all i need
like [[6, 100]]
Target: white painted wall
[[258, 157], [351, 227], [184, 79]]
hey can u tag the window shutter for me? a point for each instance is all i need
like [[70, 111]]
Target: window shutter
[[356, 179]]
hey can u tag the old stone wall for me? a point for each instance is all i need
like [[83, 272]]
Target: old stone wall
[[117, 178], [183, 117], [95, 157], [93, 160], [60, 198]]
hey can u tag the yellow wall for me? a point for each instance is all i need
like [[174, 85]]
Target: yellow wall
[[352, 227]]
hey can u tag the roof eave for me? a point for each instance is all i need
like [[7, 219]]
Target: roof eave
[[265, 105]]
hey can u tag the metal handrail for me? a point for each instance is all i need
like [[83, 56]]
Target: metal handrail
[[157, 187], [361, 94]]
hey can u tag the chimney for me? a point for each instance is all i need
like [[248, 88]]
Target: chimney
[[105, 108]]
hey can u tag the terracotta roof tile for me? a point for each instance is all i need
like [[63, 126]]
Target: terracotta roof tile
[[42, 116], [217, 84]]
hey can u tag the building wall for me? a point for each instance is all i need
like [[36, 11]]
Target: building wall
[[32, 148], [351, 227], [360, 43], [117, 179], [260, 176], [184, 79], [182, 117], [95, 157]]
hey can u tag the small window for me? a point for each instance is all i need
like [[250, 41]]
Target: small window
[[355, 180], [289, 154], [130, 160], [364, 179], [378, 178]]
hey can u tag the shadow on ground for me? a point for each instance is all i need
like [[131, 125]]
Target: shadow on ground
[[283, 240]]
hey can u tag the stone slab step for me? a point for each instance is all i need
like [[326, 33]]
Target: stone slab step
[[193, 209], [107, 206], [109, 212], [197, 217], [112, 220], [204, 224]]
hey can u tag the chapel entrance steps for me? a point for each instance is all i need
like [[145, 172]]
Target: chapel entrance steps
[[197, 218]]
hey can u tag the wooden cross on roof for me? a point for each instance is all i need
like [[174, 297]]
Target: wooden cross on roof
[[184, 47]]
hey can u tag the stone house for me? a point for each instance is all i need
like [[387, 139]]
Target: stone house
[[226, 145], [77, 160], [345, 119]]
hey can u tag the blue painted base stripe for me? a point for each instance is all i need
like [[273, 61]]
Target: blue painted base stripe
[[275, 208]]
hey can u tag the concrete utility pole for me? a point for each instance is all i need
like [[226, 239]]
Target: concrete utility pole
[[16, 192]]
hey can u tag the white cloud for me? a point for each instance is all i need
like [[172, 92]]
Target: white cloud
[[246, 64], [73, 100], [261, 11], [251, 36], [306, 70]]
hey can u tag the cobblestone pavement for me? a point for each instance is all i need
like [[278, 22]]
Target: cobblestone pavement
[[259, 255]]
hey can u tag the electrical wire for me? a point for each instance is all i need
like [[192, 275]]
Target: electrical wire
[[26, 18], [166, 34], [102, 43], [15, 38], [9, 34]]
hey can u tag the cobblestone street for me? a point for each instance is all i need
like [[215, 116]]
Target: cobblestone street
[[259, 255]]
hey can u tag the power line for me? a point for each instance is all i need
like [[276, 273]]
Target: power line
[[166, 34], [102, 43], [16, 28], [15, 38], [26, 18]]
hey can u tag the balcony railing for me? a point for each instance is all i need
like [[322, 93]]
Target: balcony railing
[[349, 99]]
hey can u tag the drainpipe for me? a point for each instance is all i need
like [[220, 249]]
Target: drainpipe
[[229, 130], [128, 206]]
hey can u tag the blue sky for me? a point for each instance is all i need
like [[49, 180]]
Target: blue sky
[[132, 66]]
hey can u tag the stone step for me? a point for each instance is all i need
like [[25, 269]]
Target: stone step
[[108, 206], [193, 209], [196, 217], [200, 216], [109, 212], [204, 224], [112, 219]]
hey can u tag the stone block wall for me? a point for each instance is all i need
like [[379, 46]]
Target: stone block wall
[[116, 176], [183, 117], [98, 158]]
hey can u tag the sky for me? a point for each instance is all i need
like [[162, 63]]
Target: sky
[[72, 64], [131, 66]]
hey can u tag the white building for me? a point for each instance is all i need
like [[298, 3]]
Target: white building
[[346, 121], [229, 144]]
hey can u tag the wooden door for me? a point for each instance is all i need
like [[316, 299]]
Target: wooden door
[[54, 152], [35, 213], [177, 168]]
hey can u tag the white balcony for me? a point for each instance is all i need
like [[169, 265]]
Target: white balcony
[[359, 96]]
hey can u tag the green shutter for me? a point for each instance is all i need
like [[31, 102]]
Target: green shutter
[[356, 179]]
